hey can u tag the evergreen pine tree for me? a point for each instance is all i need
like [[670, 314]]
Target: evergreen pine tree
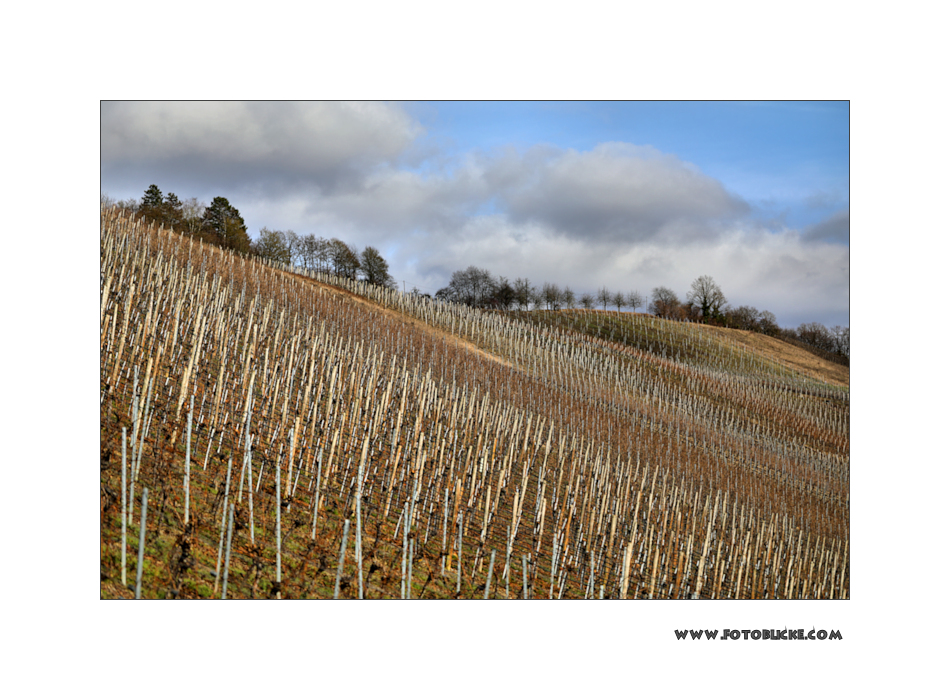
[[151, 207], [152, 198], [225, 226], [172, 211]]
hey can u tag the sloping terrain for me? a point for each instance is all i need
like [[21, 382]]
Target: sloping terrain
[[279, 419]]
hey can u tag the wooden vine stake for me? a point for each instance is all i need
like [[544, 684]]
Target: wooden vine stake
[[277, 526], [224, 510], [359, 521], [227, 557], [123, 506], [491, 567], [625, 581], [138, 571], [339, 568], [524, 576], [188, 459], [746, 461]]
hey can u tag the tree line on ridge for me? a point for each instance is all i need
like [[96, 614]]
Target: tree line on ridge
[[221, 224]]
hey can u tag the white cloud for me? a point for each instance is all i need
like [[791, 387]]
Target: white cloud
[[797, 280], [622, 216]]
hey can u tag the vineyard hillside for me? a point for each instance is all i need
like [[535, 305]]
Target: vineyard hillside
[[272, 432]]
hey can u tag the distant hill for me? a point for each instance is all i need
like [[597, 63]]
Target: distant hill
[[449, 452]]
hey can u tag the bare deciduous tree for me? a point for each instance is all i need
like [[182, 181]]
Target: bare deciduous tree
[[344, 258], [816, 335], [552, 295], [842, 340], [472, 286], [272, 245], [635, 300], [193, 213], [504, 293], [310, 251], [743, 317], [768, 324], [619, 300], [523, 293], [664, 303], [292, 241], [707, 295]]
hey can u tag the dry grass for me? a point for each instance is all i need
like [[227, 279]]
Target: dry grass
[[416, 324], [660, 460], [795, 358]]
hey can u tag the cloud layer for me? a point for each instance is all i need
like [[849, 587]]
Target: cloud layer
[[619, 215], [259, 145]]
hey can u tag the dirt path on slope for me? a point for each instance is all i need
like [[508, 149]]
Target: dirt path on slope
[[424, 327]]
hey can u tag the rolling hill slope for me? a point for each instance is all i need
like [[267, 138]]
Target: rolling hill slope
[[279, 419]]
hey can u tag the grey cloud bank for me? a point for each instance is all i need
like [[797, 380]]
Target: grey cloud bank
[[619, 193], [834, 229], [620, 215], [257, 146]]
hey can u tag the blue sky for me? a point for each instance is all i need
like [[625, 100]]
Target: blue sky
[[790, 159], [628, 195]]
